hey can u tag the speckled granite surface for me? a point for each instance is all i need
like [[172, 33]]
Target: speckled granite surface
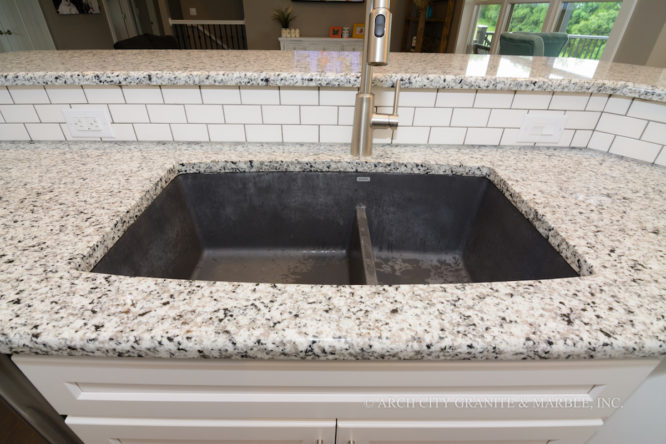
[[316, 68], [63, 205]]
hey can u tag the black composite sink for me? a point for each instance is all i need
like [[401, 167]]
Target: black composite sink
[[333, 228]]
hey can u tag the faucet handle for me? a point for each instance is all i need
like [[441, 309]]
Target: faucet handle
[[396, 97]]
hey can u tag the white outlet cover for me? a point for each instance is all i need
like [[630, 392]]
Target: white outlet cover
[[193, 11], [541, 127], [88, 122]]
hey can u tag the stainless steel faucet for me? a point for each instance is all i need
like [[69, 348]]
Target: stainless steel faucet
[[376, 47]]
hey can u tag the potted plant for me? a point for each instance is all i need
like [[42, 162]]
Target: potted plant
[[284, 16]]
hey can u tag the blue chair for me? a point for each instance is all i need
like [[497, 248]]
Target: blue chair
[[548, 44]]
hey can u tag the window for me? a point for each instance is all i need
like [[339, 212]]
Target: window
[[484, 30], [589, 25], [527, 17]]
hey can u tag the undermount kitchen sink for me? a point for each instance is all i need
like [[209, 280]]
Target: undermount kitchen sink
[[333, 228]]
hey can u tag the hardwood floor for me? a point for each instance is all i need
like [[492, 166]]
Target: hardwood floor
[[14, 430]]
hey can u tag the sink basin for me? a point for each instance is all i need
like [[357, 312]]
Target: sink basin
[[333, 228]]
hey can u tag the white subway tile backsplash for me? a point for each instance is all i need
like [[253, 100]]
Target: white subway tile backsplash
[[581, 138], [531, 100], [122, 131], [455, 99], [66, 94], [166, 113], [181, 94], [2, 119], [447, 136], [346, 115], [335, 134], [299, 96], [189, 132], [432, 116], [104, 94], [655, 132], [661, 159], [5, 98], [204, 113], [13, 131], [281, 114], [507, 118], [129, 113], [45, 131], [259, 96], [382, 135], [28, 94], [384, 97], [337, 96], [648, 110], [319, 115], [51, 113], [242, 114], [483, 136], [569, 101], [600, 141], [152, 131], [417, 97], [597, 102], [618, 105], [221, 95], [19, 113], [493, 99], [300, 133], [470, 117], [142, 94], [635, 149], [263, 133], [411, 134], [565, 138], [226, 133], [510, 137], [582, 119], [620, 125]]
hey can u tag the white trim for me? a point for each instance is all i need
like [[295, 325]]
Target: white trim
[[206, 22]]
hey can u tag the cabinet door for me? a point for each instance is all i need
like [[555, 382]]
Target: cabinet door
[[206, 431], [468, 432]]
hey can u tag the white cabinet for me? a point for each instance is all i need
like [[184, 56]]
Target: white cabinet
[[320, 44], [374, 402]]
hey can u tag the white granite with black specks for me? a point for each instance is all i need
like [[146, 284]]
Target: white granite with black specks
[[62, 205], [329, 69]]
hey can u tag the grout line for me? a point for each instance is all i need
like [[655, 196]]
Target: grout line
[[663, 147]]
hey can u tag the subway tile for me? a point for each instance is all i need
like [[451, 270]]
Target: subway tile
[[181, 94], [417, 97], [152, 131], [221, 95], [129, 113], [66, 94], [507, 118], [122, 131], [2, 119], [68, 136], [322, 115], [618, 105], [456, 99], [620, 125], [299, 96], [483, 136], [447, 136], [346, 115], [581, 138], [189, 132], [382, 136], [335, 134], [242, 114], [13, 131], [45, 131], [648, 110], [565, 139], [166, 113], [384, 97], [493, 99], [470, 117], [259, 96], [96, 108], [655, 132], [263, 133], [407, 134], [635, 149], [582, 119], [142, 94], [281, 114], [226, 133], [204, 113], [661, 158], [600, 141], [5, 98], [510, 136], [300, 133], [28, 94], [337, 96], [19, 113], [569, 101], [104, 94], [597, 102], [51, 113], [531, 100], [432, 116]]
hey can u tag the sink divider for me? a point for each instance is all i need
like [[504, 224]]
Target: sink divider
[[362, 258]]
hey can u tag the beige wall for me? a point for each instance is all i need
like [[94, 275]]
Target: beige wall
[[213, 9], [90, 31], [642, 33], [658, 55], [313, 19]]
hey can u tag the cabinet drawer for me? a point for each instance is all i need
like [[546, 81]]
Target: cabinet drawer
[[129, 387]]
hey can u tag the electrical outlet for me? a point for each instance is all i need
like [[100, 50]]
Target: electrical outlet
[[88, 122], [540, 127], [193, 11]]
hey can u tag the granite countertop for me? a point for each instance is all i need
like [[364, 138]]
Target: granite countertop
[[64, 204], [329, 68]]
